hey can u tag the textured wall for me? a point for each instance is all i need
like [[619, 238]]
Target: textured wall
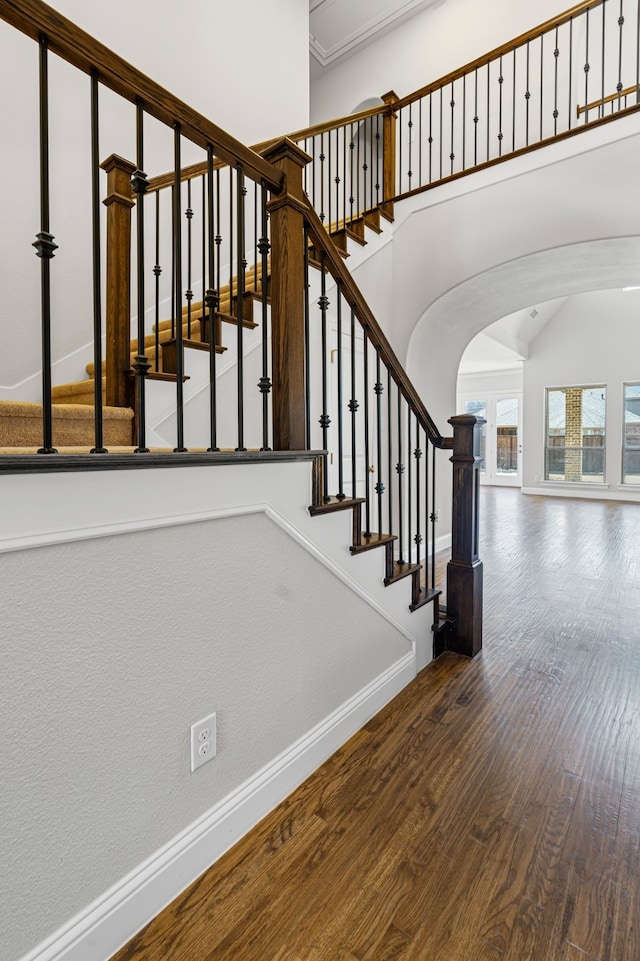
[[111, 649]]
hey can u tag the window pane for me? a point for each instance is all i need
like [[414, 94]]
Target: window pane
[[631, 442], [479, 408], [575, 434], [507, 435]]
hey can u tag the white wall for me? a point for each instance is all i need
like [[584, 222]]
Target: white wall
[[429, 45], [126, 616], [593, 339]]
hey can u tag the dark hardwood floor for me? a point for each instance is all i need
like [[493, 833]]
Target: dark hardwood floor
[[492, 811]]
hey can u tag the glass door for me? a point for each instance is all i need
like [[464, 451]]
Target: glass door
[[501, 439]]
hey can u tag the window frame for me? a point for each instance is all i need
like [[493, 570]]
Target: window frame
[[595, 484], [624, 448]]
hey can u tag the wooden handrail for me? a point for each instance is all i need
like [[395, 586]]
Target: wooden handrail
[[196, 170], [35, 18], [610, 99], [500, 51], [353, 294]]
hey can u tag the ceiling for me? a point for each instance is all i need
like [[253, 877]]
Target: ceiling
[[338, 27]]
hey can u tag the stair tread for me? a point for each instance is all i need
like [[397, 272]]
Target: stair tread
[[425, 598], [369, 541], [335, 504], [400, 571]]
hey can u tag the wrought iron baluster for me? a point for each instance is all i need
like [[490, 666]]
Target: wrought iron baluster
[[353, 403], [241, 265], [97, 271], [541, 86], [325, 420], [157, 271], [203, 239], [344, 175], [621, 28], [527, 94], [378, 389], [420, 141], [352, 147], [452, 155], [330, 221], [189, 292], [604, 48], [556, 54], [410, 128], [341, 494], [307, 362], [417, 453], [389, 453], [441, 128], [488, 111], [177, 286], [232, 243], [409, 485], [476, 119], [173, 262], [400, 139], [218, 240], [336, 179], [367, 487], [513, 105], [430, 136], [141, 365], [358, 171], [265, 382], [586, 69], [45, 250], [400, 473], [377, 201], [500, 134], [433, 514], [255, 237], [212, 299], [313, 173], [322, 159], [570, 111], [464, 121]]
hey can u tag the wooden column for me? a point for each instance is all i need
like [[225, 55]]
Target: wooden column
[[287, 291], [389, 151], [118, 202], [464, 571]]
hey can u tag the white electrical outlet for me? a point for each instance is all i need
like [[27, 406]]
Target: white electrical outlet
[[203, 741]]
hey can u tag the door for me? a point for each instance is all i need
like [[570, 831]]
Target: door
[[501, 439]]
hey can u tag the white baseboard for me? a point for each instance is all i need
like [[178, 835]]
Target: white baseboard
[[106, 925]]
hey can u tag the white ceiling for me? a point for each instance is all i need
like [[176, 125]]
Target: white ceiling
[[338, 27]]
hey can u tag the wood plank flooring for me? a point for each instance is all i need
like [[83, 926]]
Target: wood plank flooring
[[492, 811]]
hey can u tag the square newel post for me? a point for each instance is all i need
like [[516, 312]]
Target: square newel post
[[118, 202], [464, 571], [287, 290], [389, 131]]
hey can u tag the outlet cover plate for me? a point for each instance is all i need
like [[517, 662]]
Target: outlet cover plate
[[203, 741]]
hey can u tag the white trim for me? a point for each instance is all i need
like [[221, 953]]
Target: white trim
[[585, 492], [110, 921]]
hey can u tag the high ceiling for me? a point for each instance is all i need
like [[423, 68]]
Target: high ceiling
[[338, 27]]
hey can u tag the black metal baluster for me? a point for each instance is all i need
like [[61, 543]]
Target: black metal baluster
[[476, 120], [305, 173], [203, 215], [352, 147], [441, 127], [322, 159], [157, 271], [409, 485], [353, 403], [313, 173], [541, 85], [218, 241], [336, 179], [604, 30], [255, 236], [189, 292], [358, 173], [265, 381], [232, 245], [417, 453], [453, 108], [97, 280], [464, 121], [410, 128], [140, 365], [389, 453], [371, 167], [330, 221], [177, 286], [241, 263], [325, 420], [45, 250], [527, 94], [621, 26], [513, 105], [367, 486], [638, 54], [377, 159], [307, 379], [570, 70], [400, 139], [344, 175], [556, 54], [173, 262], [586, 69], [488, 111], [212, 301], [500, 134], [430, 135], [433, 514], [400, 472], [378, 389], [341, 494], [420, 142]]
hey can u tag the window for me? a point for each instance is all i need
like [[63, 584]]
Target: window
[[631, 437], [575, 434]]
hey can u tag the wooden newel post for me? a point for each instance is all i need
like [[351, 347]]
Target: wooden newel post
[[464, 571], [287, 290], [389, 148], [118, 202]]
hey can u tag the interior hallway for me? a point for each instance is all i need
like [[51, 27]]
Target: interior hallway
[[492, 810]]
